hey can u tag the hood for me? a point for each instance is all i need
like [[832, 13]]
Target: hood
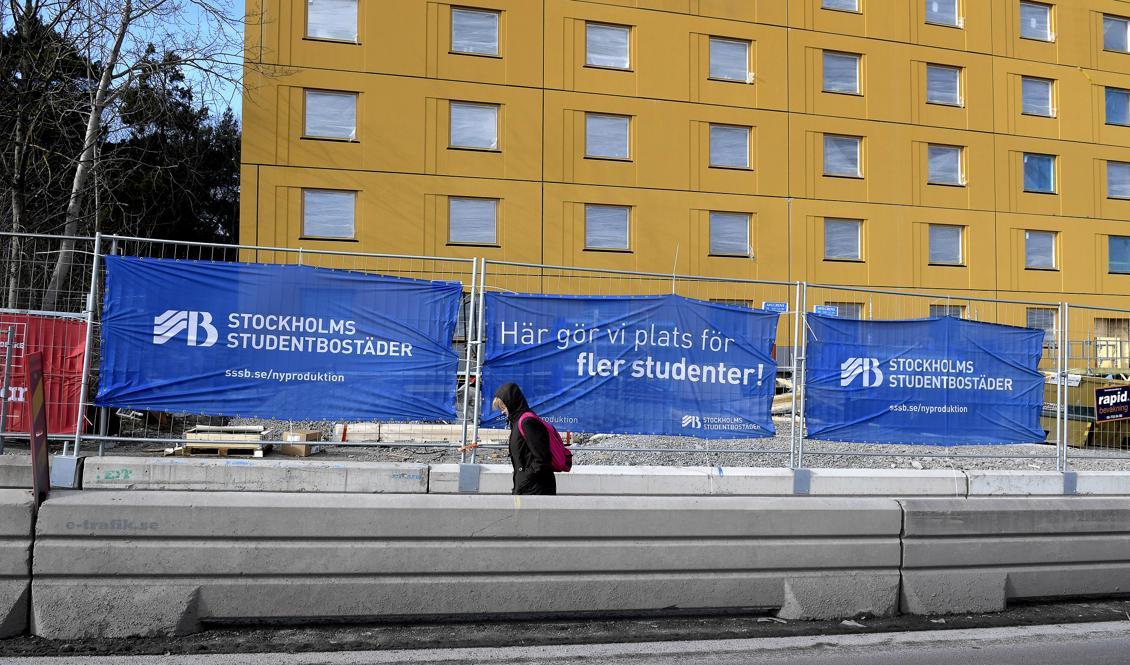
[[511, 395]]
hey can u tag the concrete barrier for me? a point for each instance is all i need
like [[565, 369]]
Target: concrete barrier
[[120, 563], [978, 554], [630, 480], [15, 471], [1015, 483], [252, 475], [16, 510], [887, 482]]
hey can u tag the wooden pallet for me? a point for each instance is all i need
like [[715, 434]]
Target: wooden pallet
[[220, 450]]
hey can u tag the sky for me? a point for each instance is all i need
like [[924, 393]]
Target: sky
[[227, 95]]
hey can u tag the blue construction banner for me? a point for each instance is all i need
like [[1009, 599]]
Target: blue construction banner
[[273, 341], [634, 365], [941, 381]]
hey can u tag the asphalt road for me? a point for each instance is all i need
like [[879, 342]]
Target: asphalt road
[[1077, 644]]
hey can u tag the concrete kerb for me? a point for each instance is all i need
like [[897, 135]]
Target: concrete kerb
[[15, 471]]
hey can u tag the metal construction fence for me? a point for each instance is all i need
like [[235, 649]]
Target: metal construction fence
[[1085, 348]]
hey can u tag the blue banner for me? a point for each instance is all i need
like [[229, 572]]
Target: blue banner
[[941, 381], [271, 341], [634, 365]]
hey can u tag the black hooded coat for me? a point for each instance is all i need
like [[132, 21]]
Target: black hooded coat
[[529, 447]]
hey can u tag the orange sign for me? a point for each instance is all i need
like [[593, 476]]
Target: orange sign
[[37, 416]]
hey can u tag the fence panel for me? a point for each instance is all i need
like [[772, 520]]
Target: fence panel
[[1097, 384]]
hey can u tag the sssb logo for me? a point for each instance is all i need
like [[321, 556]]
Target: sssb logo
[[693, 422], [171, 323], [868, 368]]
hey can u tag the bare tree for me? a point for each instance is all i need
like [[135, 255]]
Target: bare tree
[[119, 37]]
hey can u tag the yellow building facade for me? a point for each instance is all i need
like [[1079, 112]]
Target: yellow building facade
[[976, 146]]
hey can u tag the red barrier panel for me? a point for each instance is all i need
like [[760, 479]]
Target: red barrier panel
[[61, 342]]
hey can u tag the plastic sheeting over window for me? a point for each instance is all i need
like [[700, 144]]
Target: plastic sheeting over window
[[942, 12], [841, 155], [1118, 180], [843, 5], [729, 146], [472, 221], [331, 114], [474, 125], [945, 244], [1039, 249], [943, 84], [328, 213], [1117, 106], [841, 239], [1115, 32], [606, 227], [841, 72], [474, 31], [607, 45], [729, 234], [945, 165], [1118, 254], [1039, 173], [1036, 21], [332, 19], [1037, 96], [606, 135], [729, 60]]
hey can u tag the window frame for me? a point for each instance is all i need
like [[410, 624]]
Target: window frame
[[748, 254], [857, 10], [958, 17], [858, 91], [620, 26], [858, 175], [451, 241], [589, 155], [1050, 334], [958, 71], [1120, 165], [1051, 96], [961, 259], [841, 305], [1049, 37], [627, 228], [451, 145], [356, 41], [1055, 250], [1024, 173], [748, 147], [1106, 105], [325, 190], [1109, 255], [1126, 26], [306, 115], [948, 310], [858, 258], [961, 179], [749, 75], [497, 31]]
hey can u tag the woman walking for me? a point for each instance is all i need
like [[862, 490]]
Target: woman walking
[[529, 443]]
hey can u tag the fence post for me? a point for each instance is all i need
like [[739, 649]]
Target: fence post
[[795, 415], [1065, 358], [91, 302], [10, 334], [798, 381], [477, 409], [468, 326]]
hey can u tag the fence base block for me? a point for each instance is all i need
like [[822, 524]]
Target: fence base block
[[951, 592], [840, 596], [13, 607], [65, 610]]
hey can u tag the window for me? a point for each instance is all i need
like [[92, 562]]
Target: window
[[943, 85], [729, 146], [1117, 106], [847, 310], [1115, 31], [1039, 250], [607, 45], [331, 115], [1118, 180], [472, 221], [328, 214], [729, 60], [943, 12], [945, 244], [841, 239], [842, 5], [606, 136], [1036, 21], [956, 311], [1039, 173], [1044, 318], [729, 234], [944, 165], [474, 126], [1118, 254], [1037, 96], [606, 227], [841, 72], [841, 155], [332, 19], [474, 31]]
